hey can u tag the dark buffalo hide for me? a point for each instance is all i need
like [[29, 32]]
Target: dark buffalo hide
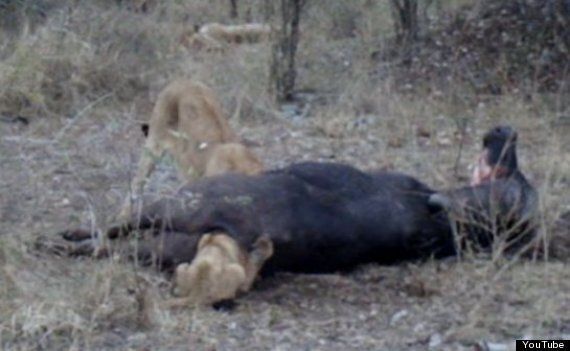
[[321, 217]]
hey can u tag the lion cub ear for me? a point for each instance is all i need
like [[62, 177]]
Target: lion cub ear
[[262, 248], [144, 129], [204, 240]]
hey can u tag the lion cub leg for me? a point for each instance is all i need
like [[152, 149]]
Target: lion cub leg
[[261, 252], [152, 153]]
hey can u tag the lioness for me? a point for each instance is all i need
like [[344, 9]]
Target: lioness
[[220, 269], [188, 123], [216, 36]]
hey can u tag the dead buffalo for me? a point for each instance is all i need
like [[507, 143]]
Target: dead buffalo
[[499, 204], [320, 217]]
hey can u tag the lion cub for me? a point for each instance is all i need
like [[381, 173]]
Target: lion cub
[[188, 123], [220, 270]]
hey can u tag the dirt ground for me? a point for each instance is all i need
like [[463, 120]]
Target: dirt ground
[[52, 180]]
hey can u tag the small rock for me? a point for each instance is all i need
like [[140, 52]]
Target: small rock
[[398, 316], [444, 141], [420, 328], [434, 341], [137, 338]]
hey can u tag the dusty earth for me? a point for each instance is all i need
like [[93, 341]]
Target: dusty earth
[[57, 174]]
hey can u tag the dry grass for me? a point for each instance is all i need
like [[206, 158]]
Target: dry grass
[[87, 76]]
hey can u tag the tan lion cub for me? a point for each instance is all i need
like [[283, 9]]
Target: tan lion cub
[[220, 270], [188, 123]]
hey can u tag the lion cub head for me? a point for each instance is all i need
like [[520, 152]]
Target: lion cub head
[[220, 270]]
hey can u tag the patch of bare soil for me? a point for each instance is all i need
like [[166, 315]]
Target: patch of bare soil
[[52, 180]]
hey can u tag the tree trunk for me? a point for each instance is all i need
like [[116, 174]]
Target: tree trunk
[[405, 20], [233, 9], [282, 73]]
